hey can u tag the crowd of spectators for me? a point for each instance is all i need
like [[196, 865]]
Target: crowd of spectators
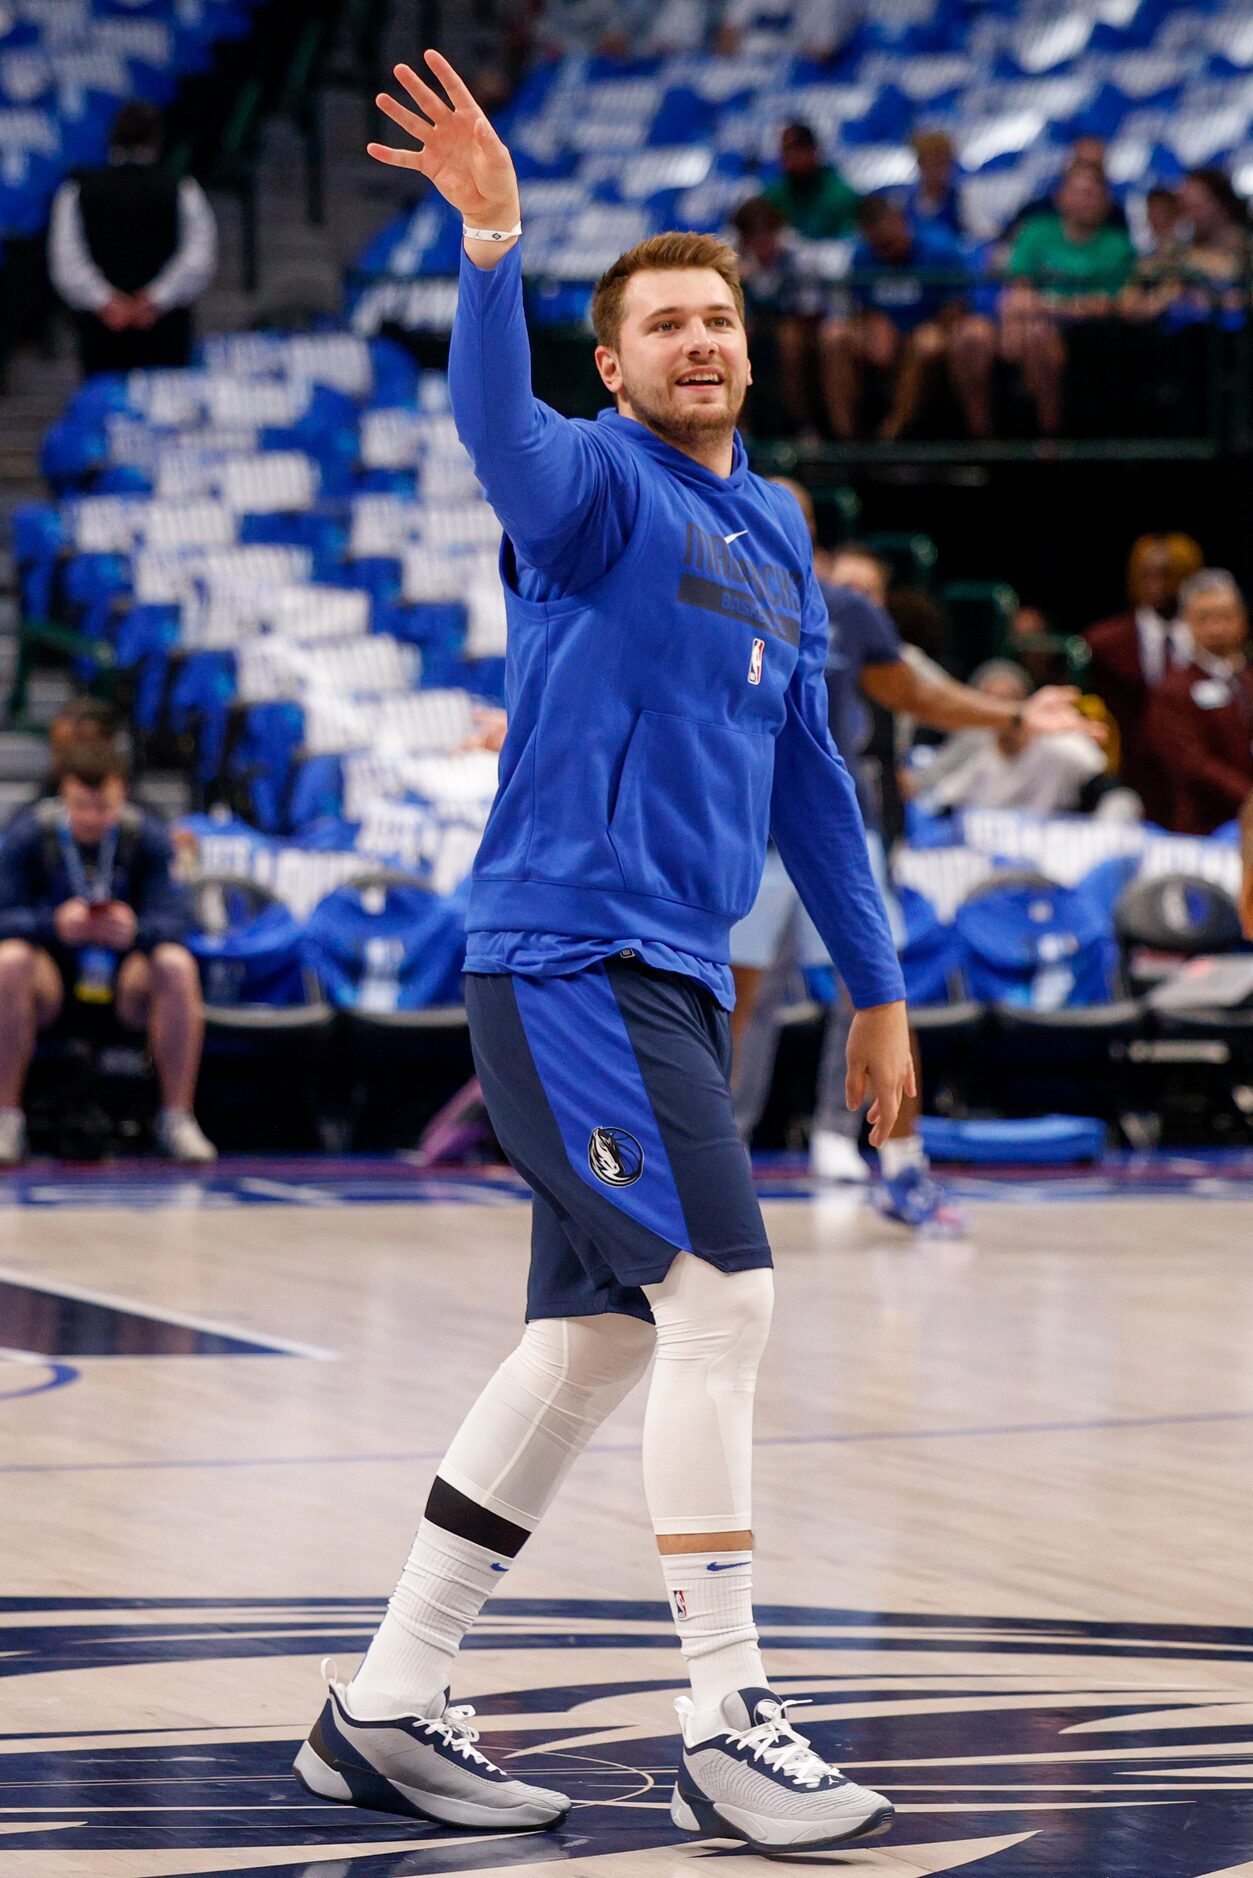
[[920, 298], [1170, 678]]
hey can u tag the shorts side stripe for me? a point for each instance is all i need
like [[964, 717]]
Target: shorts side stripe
[[554, 1013]]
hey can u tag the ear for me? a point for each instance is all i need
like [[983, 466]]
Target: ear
[[608, 367]]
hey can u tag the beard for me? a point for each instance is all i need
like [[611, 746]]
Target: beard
[[685, 426]]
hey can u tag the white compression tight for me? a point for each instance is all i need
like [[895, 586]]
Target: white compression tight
[[538, 1412], [549, 1397], [698, 1428]]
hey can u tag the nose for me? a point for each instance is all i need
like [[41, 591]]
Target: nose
[[699, 339]]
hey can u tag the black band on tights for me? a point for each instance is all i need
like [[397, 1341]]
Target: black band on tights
[[467, 1520]]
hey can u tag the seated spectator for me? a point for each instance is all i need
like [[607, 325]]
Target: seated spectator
[[1032, 643], [1200, 719], [1089, 150], [1212, 262], [1159, 265], [91, 915], [813, 196], [781, 308], [908, 289], [934, 201], [82, 720], [131, 247], [1135, 650], [1065, 266], [1009, 768]]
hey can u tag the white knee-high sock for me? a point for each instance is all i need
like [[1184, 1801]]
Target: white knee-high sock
[[445, 1584], [711, 1601], [505, 1464]]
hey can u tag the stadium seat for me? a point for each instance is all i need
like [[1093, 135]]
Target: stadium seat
[[1167, 919], [1027, 941], [268, 1029]]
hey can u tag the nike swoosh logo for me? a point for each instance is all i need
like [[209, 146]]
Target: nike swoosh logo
[[740, 1565], [729, 539], [500, 1568]]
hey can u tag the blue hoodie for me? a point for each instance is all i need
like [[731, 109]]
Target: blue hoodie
[[665, 688]]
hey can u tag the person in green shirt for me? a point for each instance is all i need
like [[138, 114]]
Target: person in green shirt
[[814, 197], [1063, 267]]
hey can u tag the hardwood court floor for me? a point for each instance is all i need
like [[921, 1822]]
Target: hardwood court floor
[[1003, 1514]]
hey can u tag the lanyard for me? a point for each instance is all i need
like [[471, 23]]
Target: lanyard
[[99, 889]]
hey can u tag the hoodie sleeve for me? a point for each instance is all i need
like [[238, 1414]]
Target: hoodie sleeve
[[820, 834], [161, 905], [23, 911], [565, 498]]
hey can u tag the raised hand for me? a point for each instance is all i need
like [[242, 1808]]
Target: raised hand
[[459, 151]]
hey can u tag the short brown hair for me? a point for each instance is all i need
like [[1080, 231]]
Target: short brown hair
[[678, 248], [90, 762]]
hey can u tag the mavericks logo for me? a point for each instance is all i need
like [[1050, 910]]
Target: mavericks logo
[[615, 1157]]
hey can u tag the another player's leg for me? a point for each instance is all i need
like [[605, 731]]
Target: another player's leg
[[745, 1772], [391, 1740]]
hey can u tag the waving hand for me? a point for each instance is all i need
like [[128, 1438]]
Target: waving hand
[[458, 151]]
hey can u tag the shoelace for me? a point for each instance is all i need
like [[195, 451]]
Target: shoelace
[[777, 1743], [454, 1726]]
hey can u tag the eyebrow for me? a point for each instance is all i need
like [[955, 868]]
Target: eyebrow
[[714, 306]]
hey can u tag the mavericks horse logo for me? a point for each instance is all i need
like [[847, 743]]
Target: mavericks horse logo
[[615, 1157]]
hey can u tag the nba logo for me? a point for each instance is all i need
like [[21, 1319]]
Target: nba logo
[[680, 1603], [754, 664]]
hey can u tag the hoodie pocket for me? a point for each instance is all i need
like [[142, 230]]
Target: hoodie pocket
[[692, 812]]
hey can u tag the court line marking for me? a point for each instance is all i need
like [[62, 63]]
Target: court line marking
[[85, 1294], [61, 1374], [1203, 1417]]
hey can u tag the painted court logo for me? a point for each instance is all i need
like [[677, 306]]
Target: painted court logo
[[615, 1157], [1009, 1745]]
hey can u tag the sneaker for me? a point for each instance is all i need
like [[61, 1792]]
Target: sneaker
[[834, 1157], [913, 1199], [425, 1766], [12, 1137], [759, 1781], [180, 1137]]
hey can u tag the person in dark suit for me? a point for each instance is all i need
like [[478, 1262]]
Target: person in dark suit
[[1199, 726], [1136, 649], [131, 247]]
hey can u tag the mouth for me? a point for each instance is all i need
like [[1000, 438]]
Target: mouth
[[700, 381]]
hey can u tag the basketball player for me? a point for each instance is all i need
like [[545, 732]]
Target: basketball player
[[667, 709]]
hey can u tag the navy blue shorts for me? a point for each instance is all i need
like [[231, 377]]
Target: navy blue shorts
[[608, 1090]]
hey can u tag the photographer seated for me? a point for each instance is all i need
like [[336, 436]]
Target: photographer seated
[[91, 915]]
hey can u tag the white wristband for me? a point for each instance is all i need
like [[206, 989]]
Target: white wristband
[[490, 234]]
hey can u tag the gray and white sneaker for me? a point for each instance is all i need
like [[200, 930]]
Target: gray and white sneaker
[[425, 1766], [759, 1781], [181, 1138]]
